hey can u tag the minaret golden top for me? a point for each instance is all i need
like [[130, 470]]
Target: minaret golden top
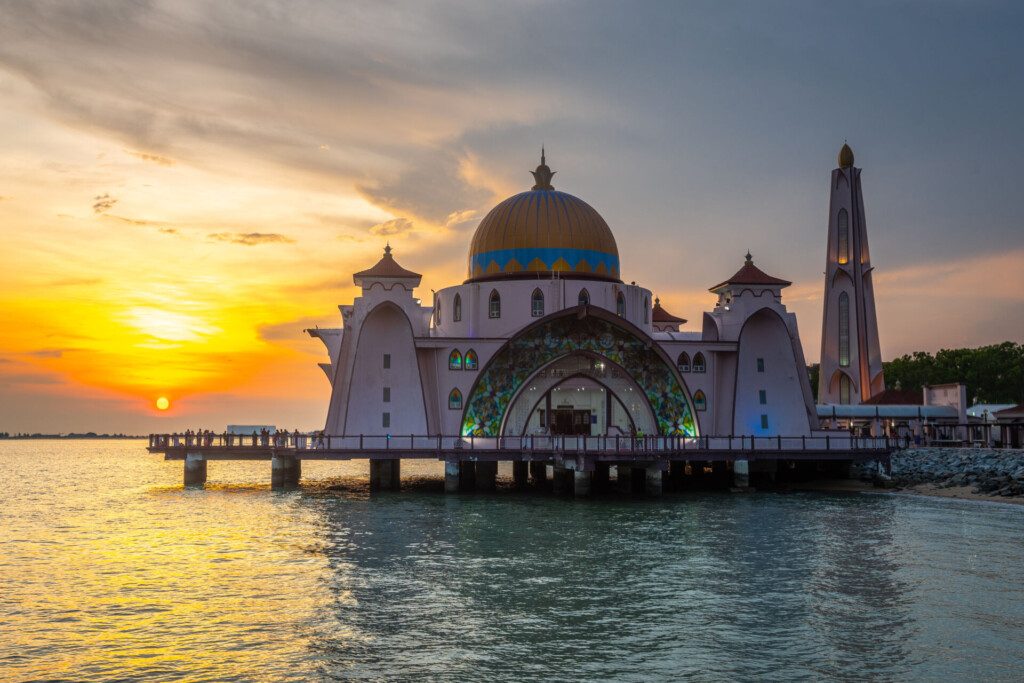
[[543, 175], [845, 156]]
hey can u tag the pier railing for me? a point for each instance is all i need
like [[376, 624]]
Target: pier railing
[[427, 445]]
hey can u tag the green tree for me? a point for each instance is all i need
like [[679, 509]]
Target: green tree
[[993, 374]]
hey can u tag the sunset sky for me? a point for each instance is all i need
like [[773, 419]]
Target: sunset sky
[[185, 186]]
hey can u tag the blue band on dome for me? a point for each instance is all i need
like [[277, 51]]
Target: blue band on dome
[[548, 256]]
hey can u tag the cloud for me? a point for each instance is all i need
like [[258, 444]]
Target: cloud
[[169, 231], [47, 353], [250, 239], [103, 203], [397, 226], [152, 158]]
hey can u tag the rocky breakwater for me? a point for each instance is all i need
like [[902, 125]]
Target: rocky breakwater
[[993, 472]]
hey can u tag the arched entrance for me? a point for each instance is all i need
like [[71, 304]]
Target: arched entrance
[[579, 394], [580, 332]]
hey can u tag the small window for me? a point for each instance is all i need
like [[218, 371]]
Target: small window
[[387, 361], [698, 363], [647, 310], [455, 400], [620, 305], [684, 362], [844, 390], [455, 360], [386, 422], [494, 305], [700, 401], [537, 304], [457, 308], [760, 364], [584, 298], [764, 422], [843, 248], [472, 362], [762, 397], [437, 312], [387, 394]]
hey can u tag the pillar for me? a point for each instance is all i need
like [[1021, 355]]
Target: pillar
[[451, 476], [653, 480], [285, 471], [385, 475], [467, 475], [741, 474], [539, 473], [195, 469], [602, 477], [520, 474], [638, 479], [561, 479], [624, 478], [581, 483], [486, 474]]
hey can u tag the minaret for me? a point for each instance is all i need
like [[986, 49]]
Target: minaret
[[851, 362]]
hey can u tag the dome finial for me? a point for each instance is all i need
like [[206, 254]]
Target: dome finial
[[845, 156], [387, 247], [543, 175], [750, 259]]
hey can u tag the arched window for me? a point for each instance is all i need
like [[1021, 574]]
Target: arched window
[[620, 304], [843, 250], [844, 389], [455, 400], [699, 364], [494, 305], [537, 304], [700, 401], [584, 298], [683, 363], [457, 308], [472, 362], [455, 360], [647, 310], [844, 330]]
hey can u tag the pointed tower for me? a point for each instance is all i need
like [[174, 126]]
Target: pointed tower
[[851, 362]]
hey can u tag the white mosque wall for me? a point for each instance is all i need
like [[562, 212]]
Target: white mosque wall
[[517, 304]]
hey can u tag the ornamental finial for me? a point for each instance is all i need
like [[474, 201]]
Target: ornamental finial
[[387, 248], [543, 175], [749, 257]]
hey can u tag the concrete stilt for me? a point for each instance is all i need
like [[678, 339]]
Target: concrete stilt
[[581, 483], [624, 478], [602, 476], [467, 475], [561, 480], [451, 476], [653, 481], [195, 469], [638, 480], [741, 474], [520, 474], [539, 474], [486, 474], [385, 475], [285, 471], [676, 473]]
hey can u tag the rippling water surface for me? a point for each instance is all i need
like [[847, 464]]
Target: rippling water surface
[[110, 570]]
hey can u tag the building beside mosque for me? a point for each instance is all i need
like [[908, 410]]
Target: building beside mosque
[[544, 336]]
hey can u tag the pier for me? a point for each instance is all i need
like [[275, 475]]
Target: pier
[[579, 465]]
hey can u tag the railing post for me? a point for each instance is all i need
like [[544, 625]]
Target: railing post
[[780, 441], [827, 447], [360, 442]]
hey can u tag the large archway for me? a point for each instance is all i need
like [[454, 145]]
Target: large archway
[[594, 332], [583, 382]]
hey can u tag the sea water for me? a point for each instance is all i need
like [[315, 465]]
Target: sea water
[[110, 570]]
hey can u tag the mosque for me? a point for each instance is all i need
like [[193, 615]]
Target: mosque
[[544, 336]]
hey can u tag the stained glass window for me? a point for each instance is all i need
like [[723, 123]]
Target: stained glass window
[[472, 362], [455, 360]]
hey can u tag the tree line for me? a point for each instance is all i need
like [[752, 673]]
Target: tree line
[[993, 374]]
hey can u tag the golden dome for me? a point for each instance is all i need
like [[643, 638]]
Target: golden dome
[[541, 232], [845, 156]]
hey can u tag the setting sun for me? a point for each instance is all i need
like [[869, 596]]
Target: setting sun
[[162, 403]]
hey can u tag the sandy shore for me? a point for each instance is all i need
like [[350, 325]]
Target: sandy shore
[[855, 486]]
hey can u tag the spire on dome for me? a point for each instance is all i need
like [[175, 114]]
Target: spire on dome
[[543, 175]]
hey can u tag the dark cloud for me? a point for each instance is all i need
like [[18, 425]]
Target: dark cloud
[[250, 239], [103, 203], [397, 226], [152, 158], [46, 353]]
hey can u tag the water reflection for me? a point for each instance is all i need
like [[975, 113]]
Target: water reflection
[[130, 576]]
